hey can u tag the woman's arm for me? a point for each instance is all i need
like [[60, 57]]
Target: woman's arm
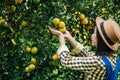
[[84, 64], [77, 47], [76, 63], [59, 34], [69, 37]]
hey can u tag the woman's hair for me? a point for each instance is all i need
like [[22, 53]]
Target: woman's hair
[[102, 48]]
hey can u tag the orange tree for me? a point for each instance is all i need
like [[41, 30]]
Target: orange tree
[[26, 44]]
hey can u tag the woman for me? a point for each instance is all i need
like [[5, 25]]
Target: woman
[[105, 37]]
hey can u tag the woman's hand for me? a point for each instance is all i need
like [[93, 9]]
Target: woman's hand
[[55, 32], [59, 34]]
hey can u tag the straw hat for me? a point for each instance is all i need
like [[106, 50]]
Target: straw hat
[[109, 31]]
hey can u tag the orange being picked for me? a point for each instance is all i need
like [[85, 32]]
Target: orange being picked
[[33, 60], [55, 21], [63, 30], [77, 13], [81, 16], [61, 24], [55, 57], [34, 50], [85, 21]]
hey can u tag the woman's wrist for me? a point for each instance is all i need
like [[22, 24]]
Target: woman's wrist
[[69, 38], [72, 41], [61, 40]]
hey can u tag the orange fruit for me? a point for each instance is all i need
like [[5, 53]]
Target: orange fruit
[[55, 57], [27, 69], [31, 67], [103, 10], [85, 37], [2, 22], [90, 22], [23, 23], [34, 50], [81, 16], [28, 49], [85, 21], [61, 24], [18, 1], [33, 60], [1, 18], [63, 30], [77, 13], [55, 21]]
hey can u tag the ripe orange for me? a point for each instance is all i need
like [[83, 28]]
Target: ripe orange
[[77, 13], [63, 30], [55, 57], [90, 22], [27, 69], [31, 67], [85, 21], [2, 22], [33, 60], [28, 49], [61, 24], [103, 10], [18, 1], [23, 23], [81, 16], [55, 21], [85, 37], [1, 18], [34, 50]]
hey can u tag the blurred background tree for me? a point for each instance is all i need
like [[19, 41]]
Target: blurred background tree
[[26, 44]]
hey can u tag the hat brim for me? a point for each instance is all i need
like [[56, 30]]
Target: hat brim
[[98, 21]]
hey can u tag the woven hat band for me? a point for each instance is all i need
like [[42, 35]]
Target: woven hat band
[[104, 33]]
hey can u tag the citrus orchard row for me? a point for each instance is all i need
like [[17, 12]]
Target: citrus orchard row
[[24, 25]]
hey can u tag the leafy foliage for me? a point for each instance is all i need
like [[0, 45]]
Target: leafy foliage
[[25, 23]]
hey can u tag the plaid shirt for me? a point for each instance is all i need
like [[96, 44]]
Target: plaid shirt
[[92, 65]]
